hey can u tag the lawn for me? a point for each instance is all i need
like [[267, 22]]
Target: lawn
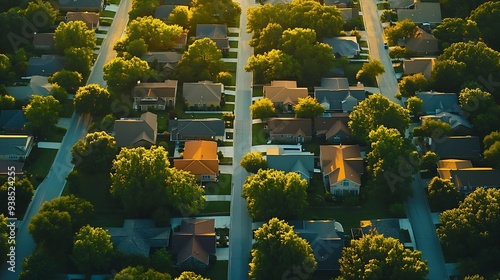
[[222, 187], [38, 164], [115, 2], [228, 107], [162, 119], [216, 208], [363, 44], [259, 135], [232, 55], [257, 91], [350, 71], [99, 41], [383, 6], [105, 22], [218, 271], [233, 44], [110, 14], [55, 134], [227, 160], [230, 34], [231, 67], [230, 98]]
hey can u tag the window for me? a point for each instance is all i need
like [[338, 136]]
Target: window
[[345, 183], [205, 177]]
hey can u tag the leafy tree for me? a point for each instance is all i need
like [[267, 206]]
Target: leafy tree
[[369, 71], [202, 61], [92, 250], [484, 15], [139, 273], [142, 8], [475, 101], [273, 65], [252, 162], [488, 121], [491, 139], [429, 160], [184, 193], [388, 15], [157, 34], [73, 34], [272, 193], [459, 8], [24, 192], [10, 20], [435, 129], [42, 112], [378, 257], [189, 275], [455, 29], [492, 154], [262, 108], [19, 62], [181, 16], [68, 80], [224, 78], [268, 40], [93, 99], [326, 21], [79, 59], [161, 260], [7, 102], [445, 71], [42, 14], [51, 229], [6, 73], [205, 11], [95, 152], [122, 74], [474, 277], [443, 194], [4, 238], [413, 83], [278, 250], [137, 47], [308, 107], [39, 265], [403, 29], [59, 93], [399, 53], [414, 105], [374, 111], [470, 231]]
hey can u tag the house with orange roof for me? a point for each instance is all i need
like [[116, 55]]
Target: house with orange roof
[[342, 166], [200, 159], [284, 94]]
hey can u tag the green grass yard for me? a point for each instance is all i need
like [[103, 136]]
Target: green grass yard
[[107, 14], [232, 55], [259, 136], [216, 208], [233, 44], [230, 98], [222, 187], [38, 164], [350, 71], [218, 271]]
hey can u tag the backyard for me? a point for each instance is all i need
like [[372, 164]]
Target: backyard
[[38, 164]]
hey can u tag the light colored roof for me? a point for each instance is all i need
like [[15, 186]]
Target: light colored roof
[[167, 89], [422, 43], [15, 144], [285, 92], [131, 132], [422, 65], [344, 46], [341, 162], [400, 3], [200, 157], [348, 13], [423, 12], [206, 91], [89, 18], [162, 57]]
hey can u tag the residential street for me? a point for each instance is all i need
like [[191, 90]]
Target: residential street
[[240, 239], [53, 184]]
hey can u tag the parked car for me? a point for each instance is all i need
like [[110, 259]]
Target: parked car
[[386, 46]]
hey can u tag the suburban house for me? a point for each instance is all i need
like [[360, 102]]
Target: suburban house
[[401, 4], [194, 244], [43, 41], [338, 3], [163, 12], [216, 32], [459, 125], [291, 161], [12, 121], [348, 14], [326, 238], [345, 46], [284, 94], [138, 236], [180, 43], [391, 227], [38, 85], [342, 166], [294, 130], [15, 147], [457, 147], [420, 12], [334, 129], [422, 65], [45, 65], [422, 43], [437, 102], [196, 129], [335, 94], [164, 62], [81, 6], [136, 132], [466, 177], [9, 166], [200, 159], [155, 95], [91, 19], [203, 94]]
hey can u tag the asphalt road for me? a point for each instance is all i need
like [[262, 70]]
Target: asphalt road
[[53, 185], [240, 239], [387, 82]]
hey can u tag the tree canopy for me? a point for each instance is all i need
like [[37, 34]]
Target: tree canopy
[[399, 52], [92, 250], [140, 273], [414, 105], [308, 107], [485, 15], [39, 265], [475, 101], [403, 29], [445, 71], [42, 112], [279, 252], [202, 61], [369, 71], [436, 129], [122, 74], [93, 99], [262, 108], [24, 193], [79, 59], [180, 15], [95, 152], [273, 65], [155, 33], [443, 194], [142, 8], [69, 80], [7, 102], [189, 275], [253, 162], [487, 122], [378, 257], [4, 238], [272, 193], [206, 12], [38, 10], [455, 29], [73, 34], [412, 83]]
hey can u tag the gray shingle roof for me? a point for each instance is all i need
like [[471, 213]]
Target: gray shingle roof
[[195, 128]]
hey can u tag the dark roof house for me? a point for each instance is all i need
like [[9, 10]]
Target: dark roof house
[[155, 95], [81, 5], [45, 65], [334, 128], [422, 12], [9, 166], [163, 12], [136, 132], [458, 147], [387, 227], [43, 41], [12, 121], [466, 177], [299, 162], [202, 94], [459, 125], [15, 147], [216, 32], [289, 129], [38, 85], [437, 102], [335, 94], [196, 129]]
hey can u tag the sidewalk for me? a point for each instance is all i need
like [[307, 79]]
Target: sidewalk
[[217, 197], [49, 145]]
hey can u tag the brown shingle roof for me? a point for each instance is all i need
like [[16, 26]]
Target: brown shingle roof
[[285, 92], [293, 126], [43, 39], [205, 91], [422, 65], [166, 89], [196, 239], [89, 18]]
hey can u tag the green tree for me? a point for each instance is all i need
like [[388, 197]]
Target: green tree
[[7, 102], [202, 61], [39, 265], [93, 99], [308, 107], [399, 53], [388, 15], [262, 108], [443, 194], [445, 71], [268, 40], [273, 65], [369, 71], [184, 193], [92, 250], [19, 62], [189, 275], [161, 260], [38, 10], [279, 251], [325, 20], [157, 34], [142, 8], [224, 78], [491, 139], [475, 101], [137, 47], [73, 34], [378, 257], [59, 93], [471, 230], [252, 162], [492, 154], [206, 12], [484, 15], [429, 160], [413, 83], [414, 105], [140, 273], [6, 73], [122, 74], [95, 152], [459, 8], [79, 60], [68, 80], [4, 238], [24, 192], [181, 16], [42, 113], [374, 111], [435, 129], [455, 29], [488, 121], [272, 193], [403, 29]]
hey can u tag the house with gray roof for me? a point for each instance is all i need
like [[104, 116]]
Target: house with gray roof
[[136, 132], [45, 65], [289, 130], [422, 12], [387, 227], [345, 46], [138, 236], [159, 96], [216, 32], [164, 62], [12, 121], [459, 125], [202, 95], [457, 147], [291, 161], [335, 94], [196, 129], [162, 12], [437, 102], [422, 43], [38, 85], [15, 147], [81, 5], [348, 14], [338, 3], [334, 129]]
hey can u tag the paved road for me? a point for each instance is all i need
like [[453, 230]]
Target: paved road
[[387, 82], [53, 185], [424, 231], [240, 239]]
